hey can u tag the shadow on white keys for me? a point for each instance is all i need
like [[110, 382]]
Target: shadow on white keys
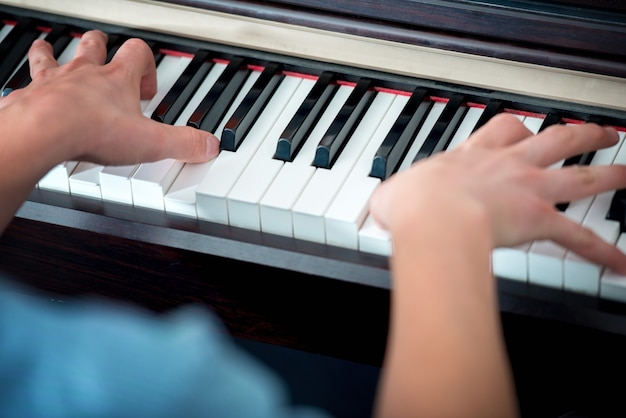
[[180, 197], [177, 194], [348, 209], [550, 265], [212, 192], [244, 200], [581, 275], [374, 239], [115, 181], [277, 201]]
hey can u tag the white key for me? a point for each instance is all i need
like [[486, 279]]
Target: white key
[[581, 275], [435, 111], [5, 31], [211, 193], [466, 127], [276, 203], [545, 258], [374, 239], [613, 285], [85, 180], [151, 181], [181, 196], [533, 123], [70, 50], [370, 233], [42, 35], [58, 177], [115, 182], [348, 210], [243, 199], [309, 210]]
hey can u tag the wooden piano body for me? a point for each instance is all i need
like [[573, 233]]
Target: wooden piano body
[[295, 293]]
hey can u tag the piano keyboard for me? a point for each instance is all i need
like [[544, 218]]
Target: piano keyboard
[[303, 147]]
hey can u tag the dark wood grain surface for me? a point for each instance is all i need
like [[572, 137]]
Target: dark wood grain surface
[[255, 302]]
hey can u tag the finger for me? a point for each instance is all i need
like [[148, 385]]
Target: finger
[[92, 47], [587, 244], [502, 130], [558, 142], [40, 58], [154, 141], [379, 203], [136, 57], [187, 144], [579, 181]]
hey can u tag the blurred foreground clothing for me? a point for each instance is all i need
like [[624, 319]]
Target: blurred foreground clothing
[[100, 359]]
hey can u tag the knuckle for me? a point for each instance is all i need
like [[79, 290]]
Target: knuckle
[[585, 174], [584, 237]]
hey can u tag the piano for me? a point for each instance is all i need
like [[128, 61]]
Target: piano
[[311, 94]]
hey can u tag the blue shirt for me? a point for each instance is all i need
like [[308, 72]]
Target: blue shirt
[[101, 359]]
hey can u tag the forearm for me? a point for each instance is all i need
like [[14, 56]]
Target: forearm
[[27, 152], [445, 355]]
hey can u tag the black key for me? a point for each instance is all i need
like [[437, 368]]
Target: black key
[[581, 159], [251, 107], [346, 121], [116, 41], [586, 157], [402, 134], [306, 116], [215, 104], [181, 92], [156, 50], [15, 47], [440, 135], [493, 108], [617, 210], [59, 37], [549, 120], [113, 44]]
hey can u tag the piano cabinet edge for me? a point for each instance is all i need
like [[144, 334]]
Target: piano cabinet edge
[[273, 304], [255, 302], [328, 317]]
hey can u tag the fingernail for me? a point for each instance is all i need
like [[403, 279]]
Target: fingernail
[[613, 132], [212, 147]]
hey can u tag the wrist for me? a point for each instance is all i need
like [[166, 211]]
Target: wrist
[[31, 139], [440, 215]]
